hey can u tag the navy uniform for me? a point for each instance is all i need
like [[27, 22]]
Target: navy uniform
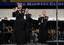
[[43, 29], [20, 29], [28, 27]]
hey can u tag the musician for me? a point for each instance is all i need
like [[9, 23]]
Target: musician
[[28, 26], [5, 24], [6, 29], [12, 24], [43, 29], [20, 29]]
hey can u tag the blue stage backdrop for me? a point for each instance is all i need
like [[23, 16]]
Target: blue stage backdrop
[[14, 4]]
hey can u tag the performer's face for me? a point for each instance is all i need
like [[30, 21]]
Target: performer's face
[[26, 11], [19, 8], [23, 11]]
